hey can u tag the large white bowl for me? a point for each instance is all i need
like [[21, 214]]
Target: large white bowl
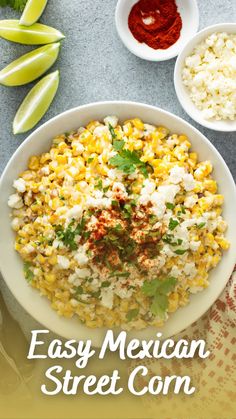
[[40, 141], [181, 89], [190, 21]]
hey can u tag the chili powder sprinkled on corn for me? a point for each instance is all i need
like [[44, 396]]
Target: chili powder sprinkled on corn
[[156, 23]]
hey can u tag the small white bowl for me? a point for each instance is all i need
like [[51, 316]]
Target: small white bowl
[[181, 89], [190, 19], [40, 141]]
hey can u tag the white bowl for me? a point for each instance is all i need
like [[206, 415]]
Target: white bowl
[[190, 19], [181, 89], [40, 141]]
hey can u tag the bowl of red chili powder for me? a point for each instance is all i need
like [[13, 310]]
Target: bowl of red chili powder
[[156, 30]]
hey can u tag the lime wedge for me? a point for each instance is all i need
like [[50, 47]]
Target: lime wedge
[[34, 35], [30, 66], [32, 12], [36, 103]]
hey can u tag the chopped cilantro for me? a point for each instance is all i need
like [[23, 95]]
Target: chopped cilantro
[[95, 294], [127, 210], [181, 251], [153, 219], [170, 206], [105, 284], [169, 238], [112, 131], [98, 185], [90, 159], [173, 223], [115, 203], [201, 225], [120, 274], [132, 314], [68, 235], [79, 290], [29, 276]]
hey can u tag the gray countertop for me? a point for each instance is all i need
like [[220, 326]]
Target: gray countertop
[[94, 66]]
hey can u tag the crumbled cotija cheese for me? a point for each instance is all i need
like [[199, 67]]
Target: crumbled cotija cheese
[[210, 76]]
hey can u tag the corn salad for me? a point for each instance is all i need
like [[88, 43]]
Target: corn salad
[[118, 223]]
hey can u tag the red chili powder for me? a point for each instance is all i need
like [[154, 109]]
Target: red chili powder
[[156, 23]]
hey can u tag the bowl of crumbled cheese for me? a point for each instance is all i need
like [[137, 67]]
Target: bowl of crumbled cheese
[[205, 77]]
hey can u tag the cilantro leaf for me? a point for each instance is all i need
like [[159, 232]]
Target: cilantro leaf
[[172, 224], [118, 145], [158, 290], [167, 286], [169, 205], [127, 161], [112, 131], [123, 163], [105, 284], [132, 314], [169, 238], [181, 251], [159, 305], [29, 276], [98, 185], [79, 290], [201, 225], [149, 288]]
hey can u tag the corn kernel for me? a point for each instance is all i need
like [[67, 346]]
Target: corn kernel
[[33, 163]]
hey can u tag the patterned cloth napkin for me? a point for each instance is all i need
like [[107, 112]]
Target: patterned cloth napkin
[[213, 377]]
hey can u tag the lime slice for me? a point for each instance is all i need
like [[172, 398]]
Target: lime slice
[[36, 103], [30, 66], [34, 35], [32, 12]]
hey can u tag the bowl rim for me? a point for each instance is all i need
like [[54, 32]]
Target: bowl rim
[[33, 137], [137, 51], [178, 83]]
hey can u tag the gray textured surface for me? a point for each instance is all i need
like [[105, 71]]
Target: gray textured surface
[[96, 66]]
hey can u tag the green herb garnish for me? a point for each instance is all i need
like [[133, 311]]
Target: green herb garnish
[[170, 206], [105, 284], [172, 224], [127, 161], [158, 291], [68, 235], [118, 145], [29, 276], [181, 251], [120, 274], [79, 290], [112, 131], [201, 225], [90, 159], [132, 314], [169, 238], [98, 185]]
